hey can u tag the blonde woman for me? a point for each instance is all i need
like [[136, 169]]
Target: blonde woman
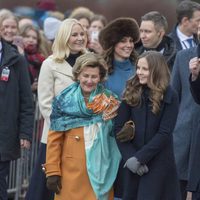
[[55, 75]]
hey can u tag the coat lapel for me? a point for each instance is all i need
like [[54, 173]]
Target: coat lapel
[[64, 68]]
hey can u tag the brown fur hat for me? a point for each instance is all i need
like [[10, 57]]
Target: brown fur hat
[[121, 27]]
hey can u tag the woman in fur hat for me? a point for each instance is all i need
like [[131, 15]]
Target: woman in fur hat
[[118, 39]]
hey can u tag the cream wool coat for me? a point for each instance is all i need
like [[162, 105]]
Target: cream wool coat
[[54, 77]]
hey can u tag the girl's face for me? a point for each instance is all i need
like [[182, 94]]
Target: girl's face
[[89, 78], [9, 29], [142, 71], [30, 38], [77, 39], [96, 26], [123, 48]]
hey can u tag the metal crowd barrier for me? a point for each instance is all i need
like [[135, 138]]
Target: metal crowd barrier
[[21, 169]]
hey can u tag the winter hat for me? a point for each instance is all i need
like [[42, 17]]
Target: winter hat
[[51, 26], [46, 5], [114, 31]]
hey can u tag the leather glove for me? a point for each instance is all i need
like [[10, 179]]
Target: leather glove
[[143, 169], [127, 132], [132, 164], [54, 183]]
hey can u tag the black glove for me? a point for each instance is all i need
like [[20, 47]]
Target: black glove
[[54, 183], [127, 132], [143, 169], [132, 164]]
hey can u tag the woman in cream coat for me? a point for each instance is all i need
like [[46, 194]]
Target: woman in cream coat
[[55, 75]]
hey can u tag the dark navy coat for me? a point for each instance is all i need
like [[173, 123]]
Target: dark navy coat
[[167, 45], [194, 175], [16, 104], [152, 146]]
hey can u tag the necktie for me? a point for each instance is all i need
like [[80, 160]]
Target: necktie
[[190, 42]]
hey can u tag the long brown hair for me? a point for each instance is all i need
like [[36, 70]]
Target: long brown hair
[[108, 56], [158, 81]]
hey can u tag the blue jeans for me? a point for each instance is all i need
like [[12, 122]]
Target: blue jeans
[[4, 171]]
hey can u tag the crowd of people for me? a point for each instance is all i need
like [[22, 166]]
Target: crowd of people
[[119, 102]]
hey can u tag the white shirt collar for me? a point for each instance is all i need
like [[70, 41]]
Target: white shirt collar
[[0, 46], [182, 37]]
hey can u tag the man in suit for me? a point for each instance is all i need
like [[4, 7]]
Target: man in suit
[[185, 133], [194, 79], [185, 32]]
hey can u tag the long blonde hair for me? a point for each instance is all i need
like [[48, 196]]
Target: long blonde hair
[[158, 81], [60, 48]]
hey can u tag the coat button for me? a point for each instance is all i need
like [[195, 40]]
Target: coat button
[[77, 138], [43, 168]]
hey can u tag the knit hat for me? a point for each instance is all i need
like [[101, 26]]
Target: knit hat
[[46, 5], [114, 31], [51, 26]]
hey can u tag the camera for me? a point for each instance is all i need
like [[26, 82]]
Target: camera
[[94, 36]]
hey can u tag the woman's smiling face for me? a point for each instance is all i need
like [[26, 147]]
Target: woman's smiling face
[[77, 39], [123, 48], [89, 77], [143, 71]]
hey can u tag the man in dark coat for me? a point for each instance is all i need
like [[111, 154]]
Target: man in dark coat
[[185, 31], [16, 106], [194, 175], [188, 118], [153, 36]]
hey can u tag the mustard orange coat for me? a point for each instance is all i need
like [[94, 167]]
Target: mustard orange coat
[[66, 157]]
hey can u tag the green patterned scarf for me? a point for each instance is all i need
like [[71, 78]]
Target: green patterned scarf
[[102, 155]]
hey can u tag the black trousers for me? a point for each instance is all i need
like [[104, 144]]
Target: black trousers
[[196, 196], [4, 171], [183, 185], [37, 189]]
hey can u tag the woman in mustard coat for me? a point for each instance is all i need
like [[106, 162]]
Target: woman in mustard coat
[[82, 156]]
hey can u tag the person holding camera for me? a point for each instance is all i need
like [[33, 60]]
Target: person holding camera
[[98, 22]]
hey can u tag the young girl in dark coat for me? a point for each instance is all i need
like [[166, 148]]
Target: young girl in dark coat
[[148, 168]]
